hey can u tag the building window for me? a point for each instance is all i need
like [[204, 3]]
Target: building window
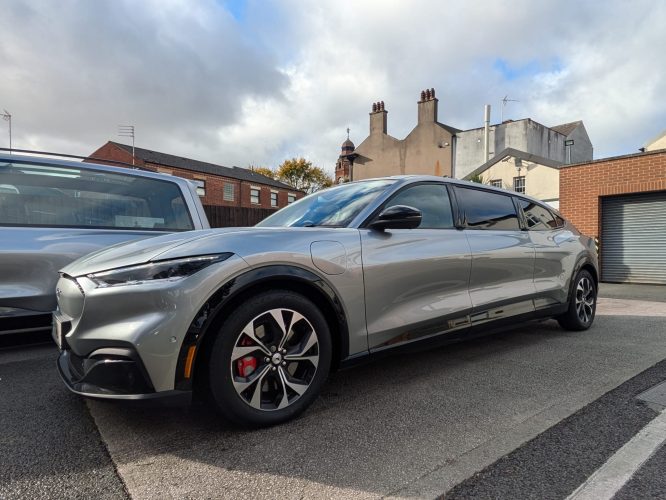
[[254, 196], [274, 199], [496, 183], [291, 198], [519, 184], [201, 187], [228, 194]]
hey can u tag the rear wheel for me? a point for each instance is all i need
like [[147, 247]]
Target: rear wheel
[[582, 304], [270, 359]]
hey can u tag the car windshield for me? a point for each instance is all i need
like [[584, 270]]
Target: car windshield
[[333, 207]]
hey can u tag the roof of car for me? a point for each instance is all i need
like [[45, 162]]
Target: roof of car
[[97, 166], [420, 178]]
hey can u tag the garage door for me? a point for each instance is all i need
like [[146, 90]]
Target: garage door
[[633, 238]]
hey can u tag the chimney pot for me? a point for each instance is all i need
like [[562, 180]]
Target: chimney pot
[[374, 107], [427, 94], [382, 105], [422, 95], [432, 93]]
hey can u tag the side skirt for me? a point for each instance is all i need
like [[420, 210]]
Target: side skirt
[[448, 337]]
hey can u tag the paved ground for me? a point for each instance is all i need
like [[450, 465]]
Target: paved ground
[[49, 445], [652, 293], [404, 426]]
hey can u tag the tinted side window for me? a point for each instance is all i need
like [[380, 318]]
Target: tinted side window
[[487, 210], [433, 202], [538, 218], [59, 196], [559, 221]]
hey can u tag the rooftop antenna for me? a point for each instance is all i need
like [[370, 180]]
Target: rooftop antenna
[[127, 131], [8, 118], [503, 103]]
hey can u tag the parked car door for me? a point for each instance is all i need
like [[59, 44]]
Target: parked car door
[[555, 252], [416, 280], [502, 276]]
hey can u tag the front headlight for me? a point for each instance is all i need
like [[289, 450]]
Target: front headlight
[[166, 270]]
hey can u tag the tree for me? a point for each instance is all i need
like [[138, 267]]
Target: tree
[[264, 171], [301, 174]]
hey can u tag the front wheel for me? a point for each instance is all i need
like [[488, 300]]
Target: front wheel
[[270, 359], [582, 304]]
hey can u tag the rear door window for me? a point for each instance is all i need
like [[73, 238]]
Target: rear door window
[[537, 217], [487, 210], [38, 195]]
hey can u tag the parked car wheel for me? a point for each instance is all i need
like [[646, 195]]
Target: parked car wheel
[[582, 304], [270, 359]]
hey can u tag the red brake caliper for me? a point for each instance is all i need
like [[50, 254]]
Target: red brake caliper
[[248, 364]]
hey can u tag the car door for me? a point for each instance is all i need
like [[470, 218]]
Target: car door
[[416, 279], [502, 273], [554, 253]]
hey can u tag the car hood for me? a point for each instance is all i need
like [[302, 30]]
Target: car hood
[[138, 252], [269, 243]]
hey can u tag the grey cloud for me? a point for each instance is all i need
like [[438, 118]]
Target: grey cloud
[[77, 69]]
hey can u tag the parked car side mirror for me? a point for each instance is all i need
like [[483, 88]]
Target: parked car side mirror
[[397, 217]]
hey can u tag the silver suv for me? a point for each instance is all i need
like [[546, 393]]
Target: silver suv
[[255, 318], [53, 212]]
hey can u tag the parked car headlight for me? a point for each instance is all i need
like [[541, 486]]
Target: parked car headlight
[[167, 270]]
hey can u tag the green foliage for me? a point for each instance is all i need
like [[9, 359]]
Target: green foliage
[[301, 174], [478, 178]]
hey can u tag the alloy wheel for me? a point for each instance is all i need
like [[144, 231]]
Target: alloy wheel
[[585, 298], [274, 359]]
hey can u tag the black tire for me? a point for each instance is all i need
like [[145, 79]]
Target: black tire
[[582, 303], [224, 377]]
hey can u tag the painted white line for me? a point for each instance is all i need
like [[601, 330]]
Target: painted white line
[[618, 470]]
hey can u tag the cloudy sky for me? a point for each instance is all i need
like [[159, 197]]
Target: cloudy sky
[[255, 82]]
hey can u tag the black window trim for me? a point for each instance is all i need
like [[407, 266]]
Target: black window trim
[[463, 216], [452, 203]]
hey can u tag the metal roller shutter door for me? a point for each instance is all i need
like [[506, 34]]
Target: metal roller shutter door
[[633, 239]]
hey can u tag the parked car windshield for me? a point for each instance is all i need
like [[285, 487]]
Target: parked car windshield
[[37, 195], [333, 207]]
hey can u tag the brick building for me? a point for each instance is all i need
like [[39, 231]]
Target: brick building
[[621, 201], [216, 185]]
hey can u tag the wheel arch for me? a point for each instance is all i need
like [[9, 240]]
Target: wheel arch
[[227, 297], [587, 264]]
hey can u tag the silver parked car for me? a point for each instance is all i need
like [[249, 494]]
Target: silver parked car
[[54, 211], [257, 317]]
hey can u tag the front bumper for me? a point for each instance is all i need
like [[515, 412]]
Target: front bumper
[[114, 373]]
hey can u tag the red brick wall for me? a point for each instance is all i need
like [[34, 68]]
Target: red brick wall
[[214, 183], [582, 186]]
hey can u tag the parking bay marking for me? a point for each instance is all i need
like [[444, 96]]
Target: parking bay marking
[[608, 479]]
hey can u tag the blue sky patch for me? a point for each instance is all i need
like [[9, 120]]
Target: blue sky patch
[[236, 8], [513, 72]]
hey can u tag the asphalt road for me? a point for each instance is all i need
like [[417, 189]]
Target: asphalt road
[[527, 413]]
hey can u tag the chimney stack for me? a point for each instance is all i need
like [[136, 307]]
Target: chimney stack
[[427, 107], [378, 118]]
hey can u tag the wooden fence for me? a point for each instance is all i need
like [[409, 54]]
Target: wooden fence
[[235, 216]]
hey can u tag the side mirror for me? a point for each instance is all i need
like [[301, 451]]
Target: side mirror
[[397, 217]]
